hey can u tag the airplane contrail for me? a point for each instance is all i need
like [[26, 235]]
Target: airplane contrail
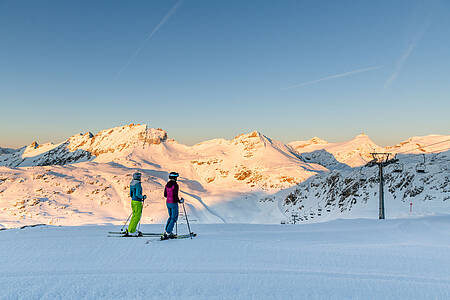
[[421, 19], [402, 60], [138, 50], [333, 77]]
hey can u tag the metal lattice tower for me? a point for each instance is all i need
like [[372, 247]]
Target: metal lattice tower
[[381, 160]]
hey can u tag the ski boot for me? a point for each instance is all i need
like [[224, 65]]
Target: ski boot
[[137, 233], [166, 236]]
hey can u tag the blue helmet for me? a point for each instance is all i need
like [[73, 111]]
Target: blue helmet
[[137, 176], [173, 175]]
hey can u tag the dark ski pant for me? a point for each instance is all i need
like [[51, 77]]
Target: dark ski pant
[[173, 216]]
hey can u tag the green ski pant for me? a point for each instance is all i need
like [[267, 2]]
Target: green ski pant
[[136, 206]]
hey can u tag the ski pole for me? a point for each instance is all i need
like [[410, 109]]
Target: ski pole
[[121, 229], [139, 225], [187, 221], [142, 212]]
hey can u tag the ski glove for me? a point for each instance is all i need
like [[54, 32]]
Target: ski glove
[[181, 200], [144, 197]]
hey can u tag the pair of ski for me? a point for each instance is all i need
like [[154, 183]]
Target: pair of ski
[[147, 234]]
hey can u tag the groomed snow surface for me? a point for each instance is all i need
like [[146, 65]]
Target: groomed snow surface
[[342, 259]]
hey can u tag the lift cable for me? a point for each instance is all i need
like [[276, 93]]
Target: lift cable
[[421, 147]]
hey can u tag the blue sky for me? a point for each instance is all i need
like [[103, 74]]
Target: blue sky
[[207, 69]]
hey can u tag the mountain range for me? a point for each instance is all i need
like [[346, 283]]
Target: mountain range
[[250, 178]]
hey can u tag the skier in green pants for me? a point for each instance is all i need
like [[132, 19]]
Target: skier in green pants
[[137, 200]]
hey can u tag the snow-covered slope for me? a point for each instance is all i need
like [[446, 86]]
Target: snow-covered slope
[[222, 180], [6, 150], [355, 152], [85, 178], [343, 259], [354, 193], [422, 144]]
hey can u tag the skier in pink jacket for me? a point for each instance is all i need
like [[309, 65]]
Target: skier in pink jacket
[[172, 200]]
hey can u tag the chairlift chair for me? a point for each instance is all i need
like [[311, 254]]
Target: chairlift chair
[[398, 168], [420, 167], [362, 176]]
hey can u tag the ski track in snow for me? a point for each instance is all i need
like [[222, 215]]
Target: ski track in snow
[[204, 205], [232, 181], [342, 259]]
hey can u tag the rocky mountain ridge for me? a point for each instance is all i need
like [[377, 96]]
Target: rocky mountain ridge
[[84, 147], [354, 192], [250, 178]]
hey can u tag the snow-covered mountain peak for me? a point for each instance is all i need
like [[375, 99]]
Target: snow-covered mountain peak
[[355, 152], [316, 140], [215, 175], [81, 147], [247, 143], [362, 138], [250, 142], [257, 145], [302, 144], [117, 139], [244, 137], [76, 141], [422, 144], [33, 145]]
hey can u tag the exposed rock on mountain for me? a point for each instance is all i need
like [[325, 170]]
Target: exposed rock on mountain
[[6, 151], [250, 178], [83, 147], [355, 192]]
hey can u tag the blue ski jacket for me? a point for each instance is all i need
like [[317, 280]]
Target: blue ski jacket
[[136, 190]]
